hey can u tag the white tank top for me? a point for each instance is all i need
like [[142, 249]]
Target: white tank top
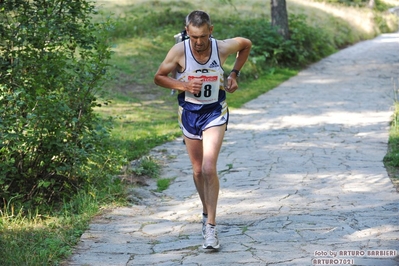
[[211, 72]]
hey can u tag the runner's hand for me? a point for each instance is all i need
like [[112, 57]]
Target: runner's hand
[[232, 85], [194, 85]]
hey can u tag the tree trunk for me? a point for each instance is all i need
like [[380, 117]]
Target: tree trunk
[[371, 4], [280, 17]]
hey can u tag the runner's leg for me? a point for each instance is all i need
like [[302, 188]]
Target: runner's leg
[[203, 155], [194, 150], [211, 143]]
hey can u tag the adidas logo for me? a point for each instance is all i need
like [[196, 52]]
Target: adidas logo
[[214, 64]]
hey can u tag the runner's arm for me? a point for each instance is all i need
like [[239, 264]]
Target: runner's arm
[[170, 64], [240, 46], [243, 48]]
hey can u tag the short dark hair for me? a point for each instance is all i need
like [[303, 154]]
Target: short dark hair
[[198, 18]]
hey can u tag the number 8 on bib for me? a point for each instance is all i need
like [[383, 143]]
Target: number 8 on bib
[[210, 88]]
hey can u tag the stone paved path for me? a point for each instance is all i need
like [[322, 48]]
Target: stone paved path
[[302, 179]]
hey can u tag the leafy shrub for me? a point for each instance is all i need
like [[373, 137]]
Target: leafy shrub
[[266, 42], [348, 2], [53, 60], [306, 45], [379, 5]]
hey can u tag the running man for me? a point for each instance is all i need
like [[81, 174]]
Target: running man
[[203, 111]]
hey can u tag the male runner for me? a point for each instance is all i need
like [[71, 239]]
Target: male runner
[[203, 112]]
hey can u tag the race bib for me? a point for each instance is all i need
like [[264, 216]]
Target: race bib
[[209, 91]]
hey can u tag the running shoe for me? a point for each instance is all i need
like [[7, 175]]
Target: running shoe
[[211, 238]]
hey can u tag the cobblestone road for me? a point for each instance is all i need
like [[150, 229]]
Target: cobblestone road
[[301, 172]]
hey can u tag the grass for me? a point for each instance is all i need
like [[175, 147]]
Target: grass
[[147, 166], [163, 183], [145, 115], [391, 159], [45, 239]]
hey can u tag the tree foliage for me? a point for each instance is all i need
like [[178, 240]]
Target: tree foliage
[[306, 45], [53, 60]]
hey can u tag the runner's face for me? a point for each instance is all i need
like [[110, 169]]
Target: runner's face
[[199, 37]]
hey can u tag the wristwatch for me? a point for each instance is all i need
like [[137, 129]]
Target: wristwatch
[[236, 71]]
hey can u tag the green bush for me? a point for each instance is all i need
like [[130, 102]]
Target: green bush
[[53, 60], [378, 4], [306, 45], [348, 2], [266, 42]]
